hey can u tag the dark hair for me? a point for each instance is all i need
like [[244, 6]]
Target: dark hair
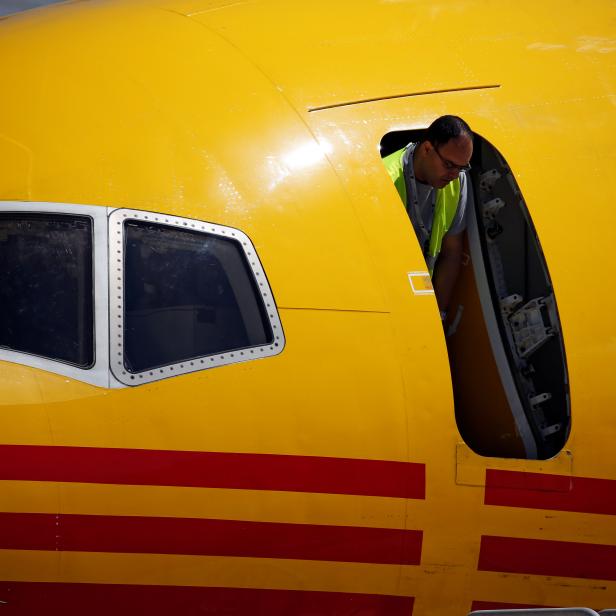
[[445, 128]]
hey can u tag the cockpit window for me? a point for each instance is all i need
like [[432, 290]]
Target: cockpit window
[[189, 295], [46, 291]]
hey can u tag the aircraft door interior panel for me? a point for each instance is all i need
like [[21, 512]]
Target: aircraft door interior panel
[[519, 312]]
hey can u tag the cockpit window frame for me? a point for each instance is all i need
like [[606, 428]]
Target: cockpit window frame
[[98, 372], [117, 219]]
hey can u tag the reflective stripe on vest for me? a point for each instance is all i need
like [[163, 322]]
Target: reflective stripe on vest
[[445, 207]]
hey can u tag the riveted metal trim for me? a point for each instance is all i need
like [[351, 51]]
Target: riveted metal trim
[[116, 300]]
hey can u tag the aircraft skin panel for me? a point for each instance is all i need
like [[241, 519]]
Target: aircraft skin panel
[[376, 123], [267, 506], [186, 414], [101, 501], [325, 61], [345, 445], [193, 163], [233, 573], [207, 572]]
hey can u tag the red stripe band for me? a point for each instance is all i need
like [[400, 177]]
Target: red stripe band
[[542, 557], [213, 470], [556, 492], [51, 599], [151, 535]]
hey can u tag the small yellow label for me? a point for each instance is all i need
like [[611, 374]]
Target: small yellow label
[[421, 283]]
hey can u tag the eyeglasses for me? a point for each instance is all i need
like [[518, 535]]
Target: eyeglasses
[[449, 165]]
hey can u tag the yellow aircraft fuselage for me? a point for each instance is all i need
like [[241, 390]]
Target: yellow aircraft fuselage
[[328, 476]]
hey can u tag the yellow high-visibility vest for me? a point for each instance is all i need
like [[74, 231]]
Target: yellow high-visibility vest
[[445, 207]]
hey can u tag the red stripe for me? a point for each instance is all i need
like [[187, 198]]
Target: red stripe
[[542, 557], [556, 492], [213, 470], [51, 599], [150, 535], [493, 605]]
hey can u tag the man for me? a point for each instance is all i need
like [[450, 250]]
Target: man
[[431, 180]]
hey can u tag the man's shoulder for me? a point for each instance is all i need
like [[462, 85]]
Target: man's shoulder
[[463, 185]]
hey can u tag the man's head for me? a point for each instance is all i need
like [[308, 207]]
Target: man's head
[[445, 151]]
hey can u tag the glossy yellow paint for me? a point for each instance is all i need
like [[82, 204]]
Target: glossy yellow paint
[[206, 109], [181, 502], [285, 574]]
